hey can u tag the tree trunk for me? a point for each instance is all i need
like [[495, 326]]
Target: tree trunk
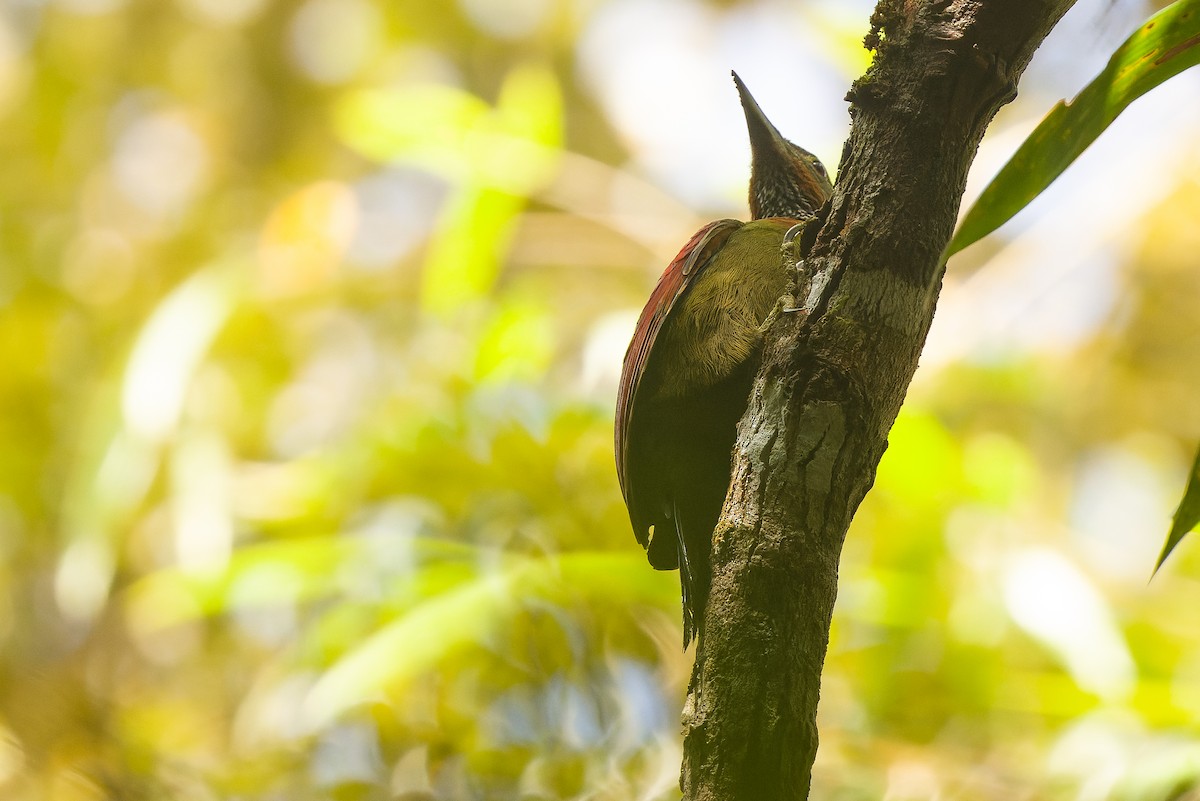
[[832, 382]]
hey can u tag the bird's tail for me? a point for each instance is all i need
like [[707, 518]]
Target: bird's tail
[[694, 576]]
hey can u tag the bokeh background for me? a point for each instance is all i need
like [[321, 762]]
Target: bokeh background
[[311, 315]]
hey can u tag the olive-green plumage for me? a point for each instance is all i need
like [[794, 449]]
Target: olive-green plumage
[[689, 369], [715, 326]]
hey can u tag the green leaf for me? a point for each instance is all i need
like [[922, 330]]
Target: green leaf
[[263, 574], [1167, 44], [1186, 516], [426, 634]]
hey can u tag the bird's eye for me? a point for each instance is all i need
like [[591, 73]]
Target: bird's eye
[[820, 168]]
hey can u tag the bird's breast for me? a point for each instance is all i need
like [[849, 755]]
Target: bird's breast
[[714, 328]]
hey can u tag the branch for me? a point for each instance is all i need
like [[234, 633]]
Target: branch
[[832, 383]]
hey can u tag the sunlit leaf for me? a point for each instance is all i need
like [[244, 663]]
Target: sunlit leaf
[[170, 347], [513, 146], [431, 631], [1187, 516], [1163, 47], [530, 105], [465, 254], [173, 595], [428, 123], [520, 152], [497, 156], [999, 469], [518, 343], [1056, 602], [920, 447]]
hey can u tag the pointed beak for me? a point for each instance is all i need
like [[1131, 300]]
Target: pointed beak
[[765, 139]]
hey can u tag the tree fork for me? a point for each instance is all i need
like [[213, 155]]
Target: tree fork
[[833, 378]]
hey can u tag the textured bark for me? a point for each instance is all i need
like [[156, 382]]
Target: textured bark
[[832, 383]]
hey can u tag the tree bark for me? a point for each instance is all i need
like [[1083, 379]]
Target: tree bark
[[833, 379]]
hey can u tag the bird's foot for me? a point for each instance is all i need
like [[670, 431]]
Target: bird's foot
[[791, 243], [785, 305], [793, 262]]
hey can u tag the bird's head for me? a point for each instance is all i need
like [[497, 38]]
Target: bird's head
[[785, 179]]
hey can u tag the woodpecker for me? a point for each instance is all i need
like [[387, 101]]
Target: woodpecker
[[687, 375]]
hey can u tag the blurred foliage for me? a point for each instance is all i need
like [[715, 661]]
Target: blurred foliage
[[311, 318]]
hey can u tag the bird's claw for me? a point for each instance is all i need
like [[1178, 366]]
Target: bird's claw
[[785, 305], [791, 241], [791, 258]]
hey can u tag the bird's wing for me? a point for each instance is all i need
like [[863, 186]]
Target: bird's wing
[[680, 273]]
